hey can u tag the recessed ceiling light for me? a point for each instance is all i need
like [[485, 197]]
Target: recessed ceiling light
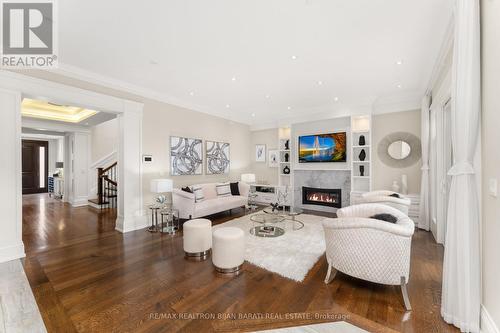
[[320, 82], [399, 86], [294, 57], [227, 106], [399, 62], [289, 107], [253, 114], [336, 99], [153, 62], [191, 93], [233, 78], [267, 96]]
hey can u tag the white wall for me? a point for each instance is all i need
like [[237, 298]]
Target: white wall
[[77, 173], [263, 173], [104, 139], [490, 16], [382, 125], [11, 245]]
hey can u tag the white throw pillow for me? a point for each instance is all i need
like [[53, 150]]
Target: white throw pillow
[[223, 190], [198, 193]]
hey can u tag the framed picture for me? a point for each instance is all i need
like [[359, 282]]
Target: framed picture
[[260, 153], [274, 160], [186, 156], [217, 157]]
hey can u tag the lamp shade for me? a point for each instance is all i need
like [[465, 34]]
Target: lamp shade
[[59, 165], [248, 178], [161, 185]]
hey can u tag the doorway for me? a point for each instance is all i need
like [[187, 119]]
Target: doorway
[[35, 165]]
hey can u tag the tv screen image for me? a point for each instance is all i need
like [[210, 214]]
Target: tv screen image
[[329, 147]]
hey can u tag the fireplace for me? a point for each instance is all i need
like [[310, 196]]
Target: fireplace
[[322, 196]]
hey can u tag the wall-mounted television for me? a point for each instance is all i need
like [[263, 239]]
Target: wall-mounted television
[[330, 147]]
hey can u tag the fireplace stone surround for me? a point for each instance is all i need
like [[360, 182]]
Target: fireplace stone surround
[[323, 179]]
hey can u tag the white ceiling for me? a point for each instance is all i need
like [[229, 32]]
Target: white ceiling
[[186, 52]]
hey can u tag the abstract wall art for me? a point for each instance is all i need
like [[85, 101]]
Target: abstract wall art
[[186, 157], [218, 161], [260, 153]]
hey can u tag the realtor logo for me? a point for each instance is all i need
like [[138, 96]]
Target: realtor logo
[[28, 34]]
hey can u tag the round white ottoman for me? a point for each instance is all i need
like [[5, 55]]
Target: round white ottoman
[[197, 238], [228, 252]]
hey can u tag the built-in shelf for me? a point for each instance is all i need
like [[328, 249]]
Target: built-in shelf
[[365, 161], [361, 177], [361, 126], [365, 146]]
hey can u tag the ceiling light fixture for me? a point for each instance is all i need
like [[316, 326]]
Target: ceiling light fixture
[[253, 115], [294, 57], [289, 107], [336, 99], [227, 106], [320, 82], [267, 96], [399, 62], [399, 86], [233, 78], [191, 93]]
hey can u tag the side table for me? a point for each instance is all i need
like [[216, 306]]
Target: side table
[[154, 217], [169, 221]]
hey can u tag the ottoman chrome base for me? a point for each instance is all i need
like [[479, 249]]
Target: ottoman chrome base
[[199, 256], [234, 270]]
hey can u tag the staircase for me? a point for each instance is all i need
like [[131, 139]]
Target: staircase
[[107, 188]]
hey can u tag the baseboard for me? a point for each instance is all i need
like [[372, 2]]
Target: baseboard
[[487, 323], [80, 202], [139, 222], [12, 252]]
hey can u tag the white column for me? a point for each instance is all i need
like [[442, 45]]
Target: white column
[[11, 244], [130, 206]]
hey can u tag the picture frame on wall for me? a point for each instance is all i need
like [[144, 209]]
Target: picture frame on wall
[[260, 153], [186, 156], [273, 158], [217, 157]]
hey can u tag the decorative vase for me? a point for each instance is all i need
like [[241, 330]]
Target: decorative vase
[[404, 184], [361, 170], [362, 155], [287, 145], [362, 141], [286, 170], [286, 157], [395, 186]]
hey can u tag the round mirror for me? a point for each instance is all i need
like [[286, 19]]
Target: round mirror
[[399, 150]]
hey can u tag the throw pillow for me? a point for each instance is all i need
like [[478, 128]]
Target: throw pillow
[[187, 189], [198, 193], [395, 195], [385, 217], [235, 189], [223, 190]]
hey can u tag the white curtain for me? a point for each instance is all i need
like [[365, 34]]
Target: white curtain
[[460, 304], [424, 213]]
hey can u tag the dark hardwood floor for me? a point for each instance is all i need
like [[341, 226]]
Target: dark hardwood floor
[[86, 277]]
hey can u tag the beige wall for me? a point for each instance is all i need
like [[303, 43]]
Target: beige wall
[[384, 124], [263, 173], [490, 16], [160, 121], [104, 139]]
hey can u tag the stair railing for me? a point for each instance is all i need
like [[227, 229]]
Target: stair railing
[[107, 186]]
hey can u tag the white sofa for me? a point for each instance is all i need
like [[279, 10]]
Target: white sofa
[[384, 197], [189, 209], [370, 249]]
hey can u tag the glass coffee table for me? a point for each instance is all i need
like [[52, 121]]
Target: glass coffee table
[[289, 214], [266, 225]]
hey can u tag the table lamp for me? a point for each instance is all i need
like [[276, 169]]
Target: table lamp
[[248, 178], [161, 186]]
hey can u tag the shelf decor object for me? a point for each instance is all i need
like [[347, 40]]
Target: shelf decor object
[[286, 170], [362, 170], [362, 140], [362, 155]]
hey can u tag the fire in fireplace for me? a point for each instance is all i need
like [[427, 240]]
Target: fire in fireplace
[[322, 197]]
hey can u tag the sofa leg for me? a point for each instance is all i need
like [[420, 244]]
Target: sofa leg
[[330, 275], [404, 291]]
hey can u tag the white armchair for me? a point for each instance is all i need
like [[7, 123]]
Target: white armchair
[[370, 249], [384, 197]]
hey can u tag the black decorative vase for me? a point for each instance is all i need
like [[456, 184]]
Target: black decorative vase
[[361, 170], [362, 155], [287, 145], [286, 157], [362, 141], [286, 170]]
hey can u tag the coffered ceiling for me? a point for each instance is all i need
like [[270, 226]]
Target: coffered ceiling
[[257, 61]]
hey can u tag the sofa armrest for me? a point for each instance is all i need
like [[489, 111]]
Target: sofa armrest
[[244, 189], [184, 202], [368, 210], [404, 228]]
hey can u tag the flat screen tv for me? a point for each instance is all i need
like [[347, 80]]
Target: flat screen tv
[[329, 147]]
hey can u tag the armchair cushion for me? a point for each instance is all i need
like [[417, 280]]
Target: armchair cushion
[[235, 189], [385, 217]]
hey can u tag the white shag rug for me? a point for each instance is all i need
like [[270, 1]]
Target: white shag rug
[[291, 255], [336, 327]]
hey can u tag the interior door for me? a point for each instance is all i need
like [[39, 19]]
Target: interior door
[[35, 166]]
